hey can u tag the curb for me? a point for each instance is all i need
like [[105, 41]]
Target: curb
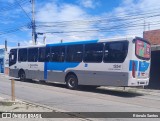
[[70, 114], [135, 90]]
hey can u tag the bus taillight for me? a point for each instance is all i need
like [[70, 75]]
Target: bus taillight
[[133, 69]]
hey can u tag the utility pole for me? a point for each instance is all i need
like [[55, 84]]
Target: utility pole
[[144, 25], [34, 38], [148, 26], [18, 44], [44, 39], [5, 45]]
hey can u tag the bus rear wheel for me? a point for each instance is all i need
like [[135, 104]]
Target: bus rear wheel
[[22, 76], [72, 82]]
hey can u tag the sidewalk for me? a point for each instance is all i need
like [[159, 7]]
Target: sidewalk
[[135, 90], [20, 108], [7, 105]]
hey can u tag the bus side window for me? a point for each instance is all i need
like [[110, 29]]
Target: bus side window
[[47, 54], [93, 52], [41, 54], [32, 54], [74, 53], [22, 55], [58, 54], [115, 52]]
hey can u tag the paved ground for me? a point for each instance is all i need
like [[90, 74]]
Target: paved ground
[[102, 99]]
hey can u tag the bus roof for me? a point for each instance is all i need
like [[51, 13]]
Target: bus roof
[[75, 42], [117, 39], [93, 41], [31, 46], [79, 42]]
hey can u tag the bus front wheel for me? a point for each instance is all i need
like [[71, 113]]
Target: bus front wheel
[[22, 76], [72, 82]]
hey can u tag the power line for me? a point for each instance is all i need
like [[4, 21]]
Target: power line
[[129, 15], [5, 31], [23, 10], [120, 24], [101, 29], [13, 30], [13, 6], [97, 24]]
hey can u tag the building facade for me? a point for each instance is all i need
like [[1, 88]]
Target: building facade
[[4, 61], [2, 58], [153, 36]]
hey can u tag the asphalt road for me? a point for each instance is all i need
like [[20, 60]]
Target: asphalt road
[[60, 98]]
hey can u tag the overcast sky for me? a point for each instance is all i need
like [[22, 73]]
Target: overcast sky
[[74, 20]]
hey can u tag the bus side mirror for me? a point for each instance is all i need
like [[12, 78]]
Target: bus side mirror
[[12, 57]]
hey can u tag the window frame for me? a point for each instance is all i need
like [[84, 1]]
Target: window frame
[[122, 41], [26, 55], [143, 40], [15, 61], [29, 55], [39, 54], [62, 47], [84, 52]]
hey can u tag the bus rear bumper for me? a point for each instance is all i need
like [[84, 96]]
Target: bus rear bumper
[[138, 82]]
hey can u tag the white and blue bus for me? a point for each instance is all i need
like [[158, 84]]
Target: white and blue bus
[[106, 62]]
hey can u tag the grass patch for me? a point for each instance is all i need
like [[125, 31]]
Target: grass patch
[[6, 103]]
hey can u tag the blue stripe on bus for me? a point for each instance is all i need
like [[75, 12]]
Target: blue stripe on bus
[[130, 65], [143, 66], [72, 43], [58, 66]]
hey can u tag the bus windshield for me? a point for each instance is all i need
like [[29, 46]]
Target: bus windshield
[[143, 49]]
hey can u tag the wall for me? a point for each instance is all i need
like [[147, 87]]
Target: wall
[[153, 36], [4, 61], [155, 70], [2, 51]]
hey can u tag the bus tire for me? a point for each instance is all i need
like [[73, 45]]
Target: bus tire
[[22, 75], [72, 82]]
